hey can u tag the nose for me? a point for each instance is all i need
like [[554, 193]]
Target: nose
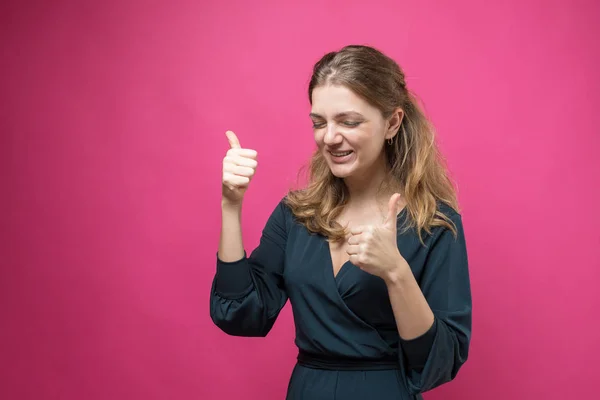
[[331, 136]]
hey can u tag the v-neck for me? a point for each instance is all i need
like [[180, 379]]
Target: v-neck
[[331, 266]]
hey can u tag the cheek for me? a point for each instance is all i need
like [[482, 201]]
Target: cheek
[[366, 142], [318, 136]]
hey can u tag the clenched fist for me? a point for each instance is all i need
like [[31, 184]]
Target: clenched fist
[[239, 166]]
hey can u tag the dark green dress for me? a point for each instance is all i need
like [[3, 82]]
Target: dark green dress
[[345, 328]]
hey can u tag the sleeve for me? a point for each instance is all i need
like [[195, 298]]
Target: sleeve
[[247, 295], [436, 356]]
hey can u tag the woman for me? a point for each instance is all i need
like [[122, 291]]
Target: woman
[[371, 253]]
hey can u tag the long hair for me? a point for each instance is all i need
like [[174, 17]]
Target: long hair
[[415, 165]]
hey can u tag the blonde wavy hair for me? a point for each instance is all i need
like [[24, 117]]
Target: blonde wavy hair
[[415, 165]]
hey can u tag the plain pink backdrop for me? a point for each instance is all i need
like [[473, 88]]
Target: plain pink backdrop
[[112, 135]]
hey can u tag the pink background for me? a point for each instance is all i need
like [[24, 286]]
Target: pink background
[[112, 134]]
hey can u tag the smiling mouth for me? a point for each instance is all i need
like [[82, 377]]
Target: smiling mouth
[[340, 153]]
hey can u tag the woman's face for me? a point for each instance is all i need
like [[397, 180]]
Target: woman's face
[[349, 132]]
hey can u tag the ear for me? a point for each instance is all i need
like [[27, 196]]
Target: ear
[[394, 122]]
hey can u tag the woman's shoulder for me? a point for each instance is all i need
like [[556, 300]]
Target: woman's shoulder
[[450, 219], [278, 206], [449, 212], [281, 211], [446, 222]]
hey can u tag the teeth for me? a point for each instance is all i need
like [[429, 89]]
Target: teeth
[[341, 154]]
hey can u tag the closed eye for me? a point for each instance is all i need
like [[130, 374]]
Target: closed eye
[[349, 124]]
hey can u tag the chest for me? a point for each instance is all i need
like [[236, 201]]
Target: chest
[[321, 277], [316, 273]]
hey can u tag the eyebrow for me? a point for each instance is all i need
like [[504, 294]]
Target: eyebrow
[[339, 115]]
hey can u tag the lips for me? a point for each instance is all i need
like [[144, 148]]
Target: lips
[[341, 157], [340, 153]]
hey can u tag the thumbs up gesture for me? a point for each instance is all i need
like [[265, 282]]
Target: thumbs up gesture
[[239, 166], [374, 248]]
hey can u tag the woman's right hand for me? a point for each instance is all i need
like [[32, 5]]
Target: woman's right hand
[[239, 166]]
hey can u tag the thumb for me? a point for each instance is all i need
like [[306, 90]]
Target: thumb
[[233, 140], [393, 206]]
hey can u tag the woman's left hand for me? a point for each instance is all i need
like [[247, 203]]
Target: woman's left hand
[[374, 248]]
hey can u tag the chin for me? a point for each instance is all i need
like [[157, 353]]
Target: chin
[[341, 171]]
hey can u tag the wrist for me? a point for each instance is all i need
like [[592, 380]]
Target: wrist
[[397, 276], [231, 205]]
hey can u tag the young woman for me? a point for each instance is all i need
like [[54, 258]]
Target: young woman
[[371, 253]]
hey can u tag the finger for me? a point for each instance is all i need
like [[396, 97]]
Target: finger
[[233, 140], [242, 161], [393, 206], [239, 170], [355, 239], [246, 153], [231, 167], [352, 249], [357, 230], [235, 180]]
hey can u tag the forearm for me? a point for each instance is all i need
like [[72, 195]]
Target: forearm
[[411, 311], [231, 246]]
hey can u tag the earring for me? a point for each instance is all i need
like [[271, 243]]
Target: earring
[[390, 141]]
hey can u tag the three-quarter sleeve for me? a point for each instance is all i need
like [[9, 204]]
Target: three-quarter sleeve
[[435, 357], [247, 295]]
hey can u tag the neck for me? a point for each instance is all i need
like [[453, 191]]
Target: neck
[[365, 188]]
